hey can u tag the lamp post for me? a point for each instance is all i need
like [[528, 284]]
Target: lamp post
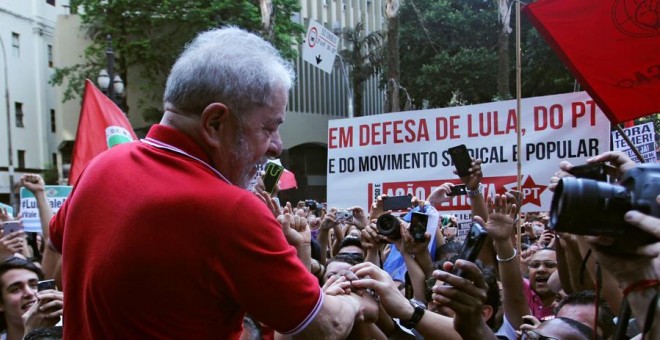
[[115, 88], [10, 166]]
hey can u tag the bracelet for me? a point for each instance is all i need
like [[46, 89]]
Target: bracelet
[[640, 285], [476, 192], [515, 253]]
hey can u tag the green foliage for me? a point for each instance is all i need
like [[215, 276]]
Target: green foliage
[[448, 46], [451, 45], [148, 35], [50, 175]]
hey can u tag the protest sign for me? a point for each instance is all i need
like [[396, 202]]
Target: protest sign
[[55, 195], [643, 138], [406, 152]]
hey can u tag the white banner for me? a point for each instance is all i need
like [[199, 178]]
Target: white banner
[[406, 152]]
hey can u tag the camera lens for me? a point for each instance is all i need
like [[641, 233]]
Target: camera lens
[[388, 225], [588, 207]]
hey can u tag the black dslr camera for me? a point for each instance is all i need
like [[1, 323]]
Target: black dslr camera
[[388, 226], [588, 207]]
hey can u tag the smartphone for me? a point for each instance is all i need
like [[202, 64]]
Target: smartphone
[[457, 190], [595, 171], [272, 176], [474, 240], [397, 203], [11, 226], [418, 222], [46, 284], [461, 159]]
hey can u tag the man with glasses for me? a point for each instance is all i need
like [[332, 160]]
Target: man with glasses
[[539, 295], [560, 329]]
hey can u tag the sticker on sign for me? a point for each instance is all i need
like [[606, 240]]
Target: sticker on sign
[[320, 46]]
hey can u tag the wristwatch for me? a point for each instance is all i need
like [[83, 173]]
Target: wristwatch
[[420, 308]]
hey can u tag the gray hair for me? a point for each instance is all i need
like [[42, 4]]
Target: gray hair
[[227, 65]]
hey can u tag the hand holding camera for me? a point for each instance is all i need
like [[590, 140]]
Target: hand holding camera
[[604, 206]]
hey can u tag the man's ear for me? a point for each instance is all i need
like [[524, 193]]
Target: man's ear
[[486, 312], [214, 117]]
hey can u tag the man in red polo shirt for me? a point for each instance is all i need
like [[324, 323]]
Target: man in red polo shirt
[[159, 238]]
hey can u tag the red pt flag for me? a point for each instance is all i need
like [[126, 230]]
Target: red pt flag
[[101, 126], [611, 46]]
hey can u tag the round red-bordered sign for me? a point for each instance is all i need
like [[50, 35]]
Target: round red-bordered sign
[[312, 37]]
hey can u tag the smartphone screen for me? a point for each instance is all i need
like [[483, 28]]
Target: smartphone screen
[[272, 176], [461, 159], [472, 245], [418, 222], [397, 203], [457, 190], [11, 226]]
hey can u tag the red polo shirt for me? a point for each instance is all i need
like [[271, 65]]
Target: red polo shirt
[[156, 245]]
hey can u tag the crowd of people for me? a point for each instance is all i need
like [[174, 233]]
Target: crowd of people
[[178, 243]]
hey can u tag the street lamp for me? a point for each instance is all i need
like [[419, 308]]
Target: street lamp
[[10, 166], [114, 90]]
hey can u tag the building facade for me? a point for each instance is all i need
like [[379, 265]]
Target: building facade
[[40, 35], [30, 122]]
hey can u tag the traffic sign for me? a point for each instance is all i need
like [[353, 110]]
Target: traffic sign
[[320, 46]]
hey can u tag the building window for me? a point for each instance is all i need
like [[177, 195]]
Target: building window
[[18, 108], [51, 2], [50, 56], [54, 160], [21, 159], [52, 121], [16, 44]]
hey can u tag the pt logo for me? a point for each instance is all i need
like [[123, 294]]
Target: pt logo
[[637, 18], [117, 135]]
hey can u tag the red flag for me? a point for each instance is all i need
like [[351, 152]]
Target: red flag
[[287, 180], [611, 46], [101, 126]]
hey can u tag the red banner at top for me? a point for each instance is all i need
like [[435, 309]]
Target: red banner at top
[[611, 46]]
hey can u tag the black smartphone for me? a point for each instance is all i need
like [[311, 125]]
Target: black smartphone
[[272, 176], [457, 190], [46, 284], [474, 240], [461, 159], [418, 222], [595, 171], [397, 203]]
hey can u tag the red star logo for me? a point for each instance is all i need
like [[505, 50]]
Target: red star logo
[[532, 191]]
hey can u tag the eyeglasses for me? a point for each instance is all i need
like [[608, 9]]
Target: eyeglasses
[[547, 264], [534, 335]]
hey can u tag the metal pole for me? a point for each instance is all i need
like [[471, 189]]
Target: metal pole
[[111, 72], [10, 167], [348, 86]]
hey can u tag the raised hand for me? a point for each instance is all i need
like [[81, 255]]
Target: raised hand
[[465, 296], [295, 229], [502, 214], [474, 179], [33, 182]]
